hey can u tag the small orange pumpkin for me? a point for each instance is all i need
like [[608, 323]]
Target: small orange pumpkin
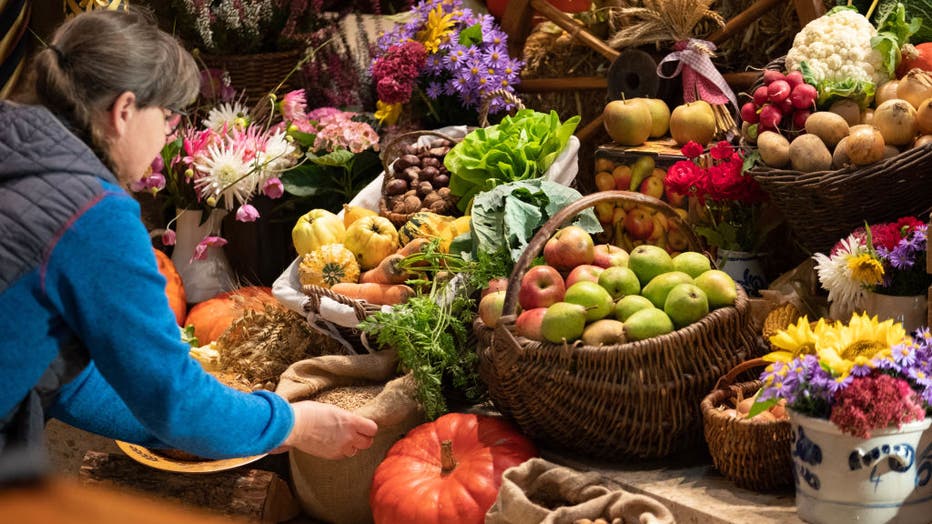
[[212, 317], [448, 470], [174, 288]]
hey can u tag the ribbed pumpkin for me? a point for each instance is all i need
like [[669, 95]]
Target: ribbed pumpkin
[[174, 287], [371, 238], [425, 224], [212, 317], [329, 265], [448, 470]]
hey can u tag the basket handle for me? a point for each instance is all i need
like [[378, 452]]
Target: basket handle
[[486, 104], [729, 378], [388, 152], [565, 215]]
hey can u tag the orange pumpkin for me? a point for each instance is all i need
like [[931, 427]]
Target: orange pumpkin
[[212, 317], [174, 288], [448, 470]]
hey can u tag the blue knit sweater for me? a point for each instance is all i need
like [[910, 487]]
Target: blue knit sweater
[[76, 264]]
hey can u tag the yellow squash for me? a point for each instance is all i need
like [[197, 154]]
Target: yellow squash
[[316, 228]]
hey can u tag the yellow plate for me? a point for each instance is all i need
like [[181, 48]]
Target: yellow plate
[[152, 459]]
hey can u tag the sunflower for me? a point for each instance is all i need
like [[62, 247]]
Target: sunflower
[[437, 29], [866, 269], [860, 343], [796, 340]]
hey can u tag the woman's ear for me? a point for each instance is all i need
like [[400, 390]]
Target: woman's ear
[[120, 113]]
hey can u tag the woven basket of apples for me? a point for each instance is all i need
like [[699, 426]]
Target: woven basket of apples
[[841, 145], [608, 353]]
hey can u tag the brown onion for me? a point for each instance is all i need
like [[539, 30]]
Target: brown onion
[[915, 87], [896, 121], [886, 91], [865, 145]]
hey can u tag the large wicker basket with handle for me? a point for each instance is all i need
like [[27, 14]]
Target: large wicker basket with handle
[[634, 400], [825, 206], [754, 454]]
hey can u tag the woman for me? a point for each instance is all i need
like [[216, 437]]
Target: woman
[[87, 333]]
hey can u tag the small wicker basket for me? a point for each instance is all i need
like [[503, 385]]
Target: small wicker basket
[[260, 73], [351, 338], [823, 207], [754, 454], [622, 402]]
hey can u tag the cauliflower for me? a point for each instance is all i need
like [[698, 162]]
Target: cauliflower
[[837, 47]]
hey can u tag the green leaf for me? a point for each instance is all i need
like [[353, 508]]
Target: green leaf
[[470, 36], [305, 140], [808, 76], [750, 160], [338, 158], [761, 406], [305, 180]]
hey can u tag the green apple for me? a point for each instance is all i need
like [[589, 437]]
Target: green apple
[[647, 323], [619, 281], [605, 332], [659, 116], [563, 322], [685, 304], [630, 305], [593, 297], [657, 289], [648, 261], [692, 263], [719, 287], [627, 121]]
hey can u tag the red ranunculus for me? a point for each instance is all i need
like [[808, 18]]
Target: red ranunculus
[[721, 150], [692, 149], [685, 178]]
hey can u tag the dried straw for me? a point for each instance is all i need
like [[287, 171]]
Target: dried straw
[[657, 21]]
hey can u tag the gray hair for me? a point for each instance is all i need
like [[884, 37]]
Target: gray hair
[[94, 57]]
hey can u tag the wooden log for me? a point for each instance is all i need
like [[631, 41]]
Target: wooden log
[[809, 10], [257, 495]]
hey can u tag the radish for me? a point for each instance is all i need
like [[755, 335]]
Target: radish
[[771, 75], [799, 118], [804, 96], [760, 96], [794, 78], [786, 106], [778, 91], [770, 116], [749, 113]]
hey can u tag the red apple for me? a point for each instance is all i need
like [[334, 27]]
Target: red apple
[[622, 175], [607, 255], [604, 181], [652, 186], [584, 272], [528, 323], [496, 284], [540, 287], [569, 247], [490, 308], [638, 223], [675, 199]]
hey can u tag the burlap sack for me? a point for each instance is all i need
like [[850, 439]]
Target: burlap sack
[[541, 492], [337, 491]]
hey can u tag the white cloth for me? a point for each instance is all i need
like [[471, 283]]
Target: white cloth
[[287, 287]]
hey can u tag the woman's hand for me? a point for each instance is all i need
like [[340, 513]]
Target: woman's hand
[[329, 432]]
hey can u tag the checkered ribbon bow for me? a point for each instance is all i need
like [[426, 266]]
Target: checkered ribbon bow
[[700, 77]]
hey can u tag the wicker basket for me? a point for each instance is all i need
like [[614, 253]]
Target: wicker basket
[[635, 400], [258, 74], [393, 150], [825, 206], [754, 454], [352, 339]]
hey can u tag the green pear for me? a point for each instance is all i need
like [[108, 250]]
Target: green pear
[[605, 332], [619, 281], [647, 323], [719, 287], [685, 304], [648, 261], [629, 305], [692, 263], [656, 290], [563, 321], [593, 297]]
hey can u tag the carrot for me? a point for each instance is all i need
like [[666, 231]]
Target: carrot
[[412, 247], [387, 271], [381, 294]]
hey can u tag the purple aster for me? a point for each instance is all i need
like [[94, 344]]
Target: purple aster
[[838, 384], [434, 90], [861, 370], [495, 56], [904, 354], [456, 55], [449, 88], [434, 65]]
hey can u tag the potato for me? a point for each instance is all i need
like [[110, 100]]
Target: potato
[[808, 152], [847, 109], [840, 157], [830, 127], [774, 149]]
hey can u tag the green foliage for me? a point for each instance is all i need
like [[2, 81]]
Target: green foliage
[[329, 180], [517, 148]]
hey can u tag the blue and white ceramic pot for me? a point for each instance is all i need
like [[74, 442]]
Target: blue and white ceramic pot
[[842, 478], [745, 268]]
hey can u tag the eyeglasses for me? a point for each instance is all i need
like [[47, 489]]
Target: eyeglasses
[[173, 119]]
